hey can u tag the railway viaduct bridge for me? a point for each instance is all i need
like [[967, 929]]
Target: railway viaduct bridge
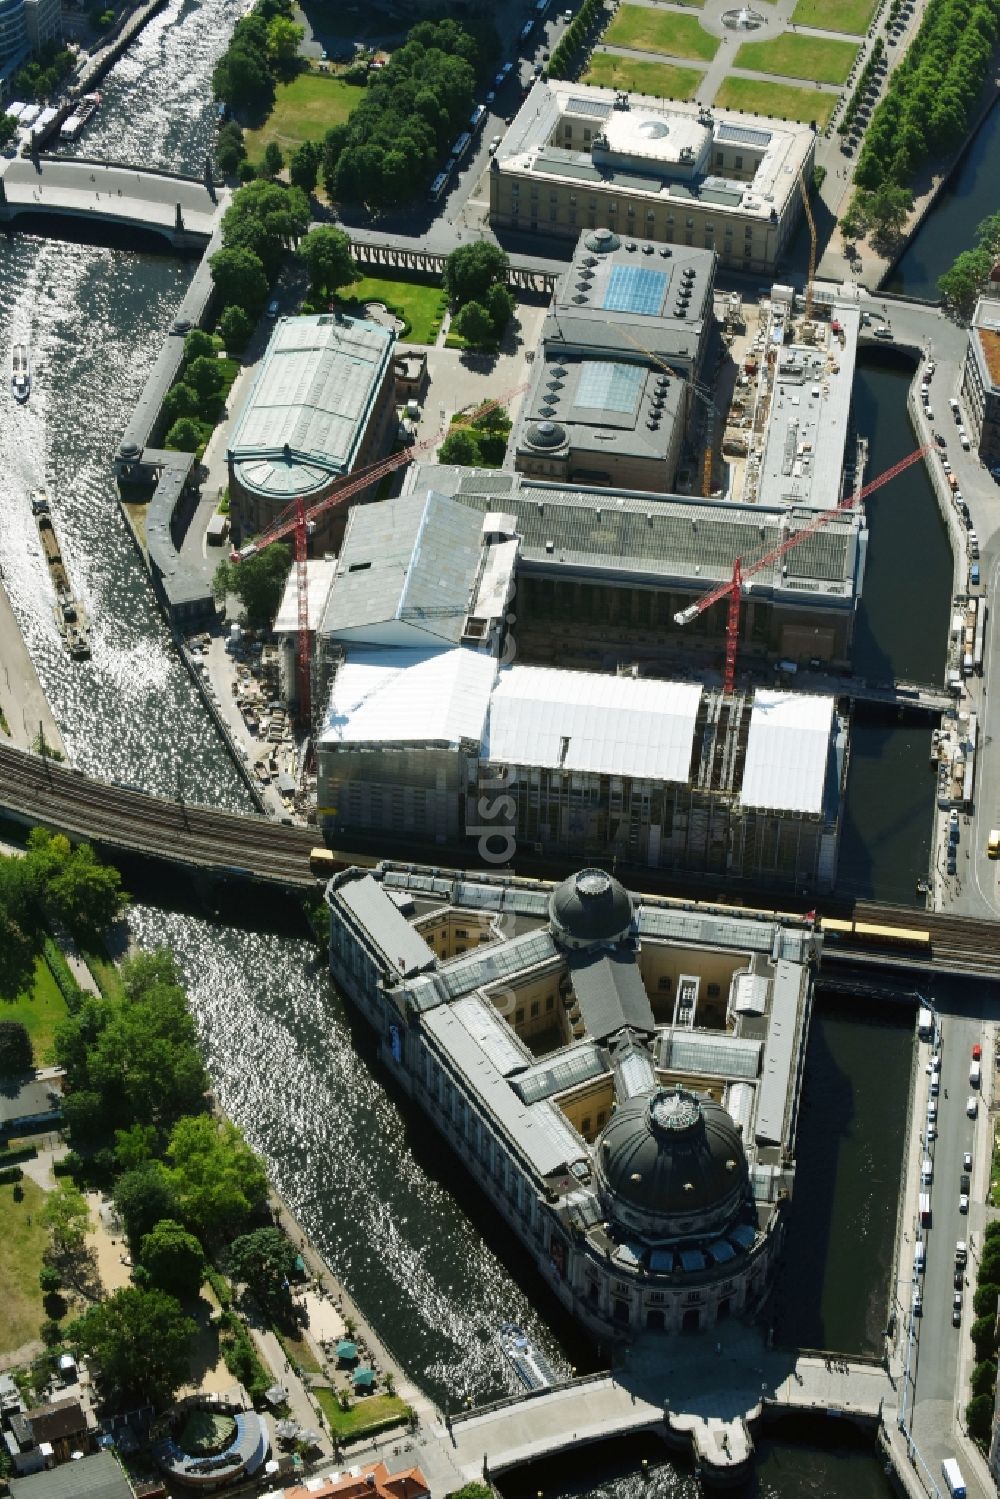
[[119, 817]]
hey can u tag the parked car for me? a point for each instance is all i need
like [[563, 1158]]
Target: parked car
[[963, 1202], [939, 439], [956, 1309], [972, 1106], [963, 438], [977, 1052], [958, 1280], [965, 1183], [967, 1161], [882, 333]]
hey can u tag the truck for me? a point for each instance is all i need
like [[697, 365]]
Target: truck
[[993, 844], [953, 1478], [925, 1210], [925, 1019]]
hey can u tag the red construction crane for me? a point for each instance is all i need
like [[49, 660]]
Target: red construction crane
[[733, 587], [297, 521]]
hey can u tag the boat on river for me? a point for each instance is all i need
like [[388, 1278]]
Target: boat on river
[[20, 373], [70, 615], [531, 1366], [75, 122]]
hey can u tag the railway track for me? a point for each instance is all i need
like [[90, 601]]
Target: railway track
[[966, 941], [123, 817]]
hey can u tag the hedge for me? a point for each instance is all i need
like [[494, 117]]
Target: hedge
[[66, 983], [22, 1153], [10, 1174]]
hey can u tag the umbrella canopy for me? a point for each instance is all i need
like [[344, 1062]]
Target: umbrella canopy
[[347, 1351], [363, 1378], [310, 1438], [287, 1430], [276, 1395]]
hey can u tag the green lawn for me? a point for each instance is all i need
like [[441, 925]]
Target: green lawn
[[304, 110], [21, 1245], [659, 79], [422, 306], [648, 30], [777, 99], [40, 1009], [367, 1412], [298, 1351], [852, 16], [818, 59], [101, 966]]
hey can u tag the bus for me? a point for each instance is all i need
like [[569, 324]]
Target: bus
[[438, 186], [541, 6], [460, 148], [476, 118], [526, 30]]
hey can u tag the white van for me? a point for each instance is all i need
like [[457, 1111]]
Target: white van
[[926, 1172], [975, 1075], [920, 1258], [953, 1478]]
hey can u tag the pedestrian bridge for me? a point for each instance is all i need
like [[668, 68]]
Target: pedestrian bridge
[[183, 210], [700, 1397]]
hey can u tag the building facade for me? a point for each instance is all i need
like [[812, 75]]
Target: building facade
[[321, 406], [15, 47], [43, 19], [579, 158], [621, 1075], [981, 380], [668, 775]]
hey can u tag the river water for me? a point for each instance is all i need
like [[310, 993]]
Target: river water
[[430, 1267], [970, 197]]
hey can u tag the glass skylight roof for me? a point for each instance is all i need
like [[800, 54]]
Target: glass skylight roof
[[610, 387], [635, 288]]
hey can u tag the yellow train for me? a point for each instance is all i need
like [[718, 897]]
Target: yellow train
[[867, 934]]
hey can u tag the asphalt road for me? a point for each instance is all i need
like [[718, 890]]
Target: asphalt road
[[942, 1352]]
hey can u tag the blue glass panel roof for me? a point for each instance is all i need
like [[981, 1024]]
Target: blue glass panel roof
[[605, 386], [635, 288]]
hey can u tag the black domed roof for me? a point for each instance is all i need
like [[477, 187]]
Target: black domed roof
[[591, 906], [545, 434], [671, 1154]]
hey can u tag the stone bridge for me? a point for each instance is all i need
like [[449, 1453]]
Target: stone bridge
[[183, 210]]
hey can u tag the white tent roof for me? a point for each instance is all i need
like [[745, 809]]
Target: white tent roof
[[787, 751], [576, 720], [319, 576], [401, 696]]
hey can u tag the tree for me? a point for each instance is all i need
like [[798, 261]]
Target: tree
[[474, 324], [50, 1332], [984, 1377], [258, 582], [274, 159], [460, 447], [263, 1261], [499, 304], [85, 1116], [471, 270], [49, 1280], [134, 1146], [15, 1048], [979, 1417], [141, 1342], [83, 892], [235, 328], [327, 254], [8, 129], [283, 41], [242, 78], [240, 280], [66, 1218], [983, 1334], [185, 436], [206, 376], [198, 345], [17, 956], [173, 1258], [143, 1197], [218, 1179], [180, 401], [984, 1302], [230, 149], [992, 1230], [303, 168]]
